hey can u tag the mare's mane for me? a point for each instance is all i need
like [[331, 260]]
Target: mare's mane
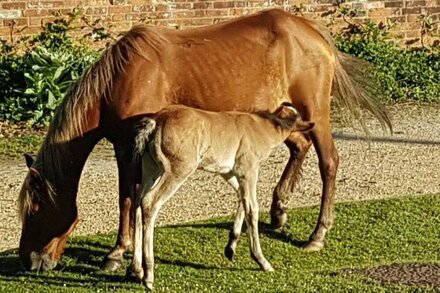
[[95, 85]]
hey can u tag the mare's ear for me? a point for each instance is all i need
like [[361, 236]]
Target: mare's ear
[[29, 160], [35, 174], [303, 126]]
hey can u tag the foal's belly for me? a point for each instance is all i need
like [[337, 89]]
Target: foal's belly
[[217, 165]]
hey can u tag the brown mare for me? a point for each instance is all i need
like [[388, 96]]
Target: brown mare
[[251, 63], [178, 140]]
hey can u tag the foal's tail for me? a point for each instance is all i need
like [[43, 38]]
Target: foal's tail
[[145, 129], [354, 92]]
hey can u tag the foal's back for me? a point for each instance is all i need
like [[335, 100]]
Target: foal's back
[[211, 140]]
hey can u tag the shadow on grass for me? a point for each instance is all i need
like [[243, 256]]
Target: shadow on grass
[[264, 229]]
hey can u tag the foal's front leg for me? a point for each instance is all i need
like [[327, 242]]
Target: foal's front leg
[[234, 234], [248, 193]]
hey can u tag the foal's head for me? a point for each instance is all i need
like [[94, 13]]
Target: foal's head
[[44, 222], [288, 118]]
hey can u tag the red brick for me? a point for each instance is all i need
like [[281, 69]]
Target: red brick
[[412, 10], [383, 12], [32, 30], [393, 3], [183, 5], [37, 21], [416, 3], [13, 5], [201, 21], [398, 19], [46, 4], [15, 22], [199, 13], [223, 4], [202, 5], [412, 34], [119, 9], [217, 12], [36, 12], [64, 11], [432, 10], [183, 14], [137, 8]]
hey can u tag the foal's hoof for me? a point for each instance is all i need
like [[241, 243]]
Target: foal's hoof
[[278, 220], [132, 276], [268, 269], [111, 265], [229, 253], [313, 245]]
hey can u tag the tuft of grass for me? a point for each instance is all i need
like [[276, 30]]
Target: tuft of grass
[[190, 257], [16, 146]]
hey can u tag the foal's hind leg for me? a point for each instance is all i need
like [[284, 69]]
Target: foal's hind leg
[[151, 204], [234, 234], [151, 174], [298, 146]]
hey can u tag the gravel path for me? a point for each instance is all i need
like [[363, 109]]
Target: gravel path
[[407, 163]]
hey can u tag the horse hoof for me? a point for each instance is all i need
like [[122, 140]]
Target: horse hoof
[[229, 253], [149, 286], [269, 269], [111, 265], [132, 276], [313, 246], [278, 220]]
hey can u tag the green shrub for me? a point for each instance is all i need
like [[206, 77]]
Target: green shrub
[[37, 72], [402, 73]]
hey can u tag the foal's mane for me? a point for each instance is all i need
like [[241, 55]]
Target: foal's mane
[[94, 86]]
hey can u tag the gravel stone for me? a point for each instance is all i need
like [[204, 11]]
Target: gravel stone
[[406, 163]]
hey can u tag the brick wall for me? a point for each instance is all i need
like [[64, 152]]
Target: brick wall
[[21, 17]]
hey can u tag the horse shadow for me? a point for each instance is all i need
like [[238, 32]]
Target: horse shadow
[[280, 234], [88, 255]]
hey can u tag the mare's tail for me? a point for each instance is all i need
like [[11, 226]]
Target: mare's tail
[[356, 90]]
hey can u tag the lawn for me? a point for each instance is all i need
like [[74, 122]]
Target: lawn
[[190, 257]]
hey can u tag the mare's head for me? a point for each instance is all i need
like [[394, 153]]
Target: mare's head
[[287, 117], [47, 222]]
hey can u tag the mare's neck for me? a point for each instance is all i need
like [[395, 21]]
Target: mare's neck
[[62, 163]]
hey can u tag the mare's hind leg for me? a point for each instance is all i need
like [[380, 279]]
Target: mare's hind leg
[[328, 166], [298, 146], [127, 169], [234, 234]]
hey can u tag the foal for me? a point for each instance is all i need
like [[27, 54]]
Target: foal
[[178, 140]]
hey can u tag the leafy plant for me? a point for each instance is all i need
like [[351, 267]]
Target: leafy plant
[[37, 72], [402, 73]]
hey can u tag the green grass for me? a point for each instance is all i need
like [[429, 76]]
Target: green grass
[[16, 146], [190, 257]]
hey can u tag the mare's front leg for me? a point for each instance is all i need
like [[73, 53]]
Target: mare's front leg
[[234, 234], [127, 170], [298, 146]]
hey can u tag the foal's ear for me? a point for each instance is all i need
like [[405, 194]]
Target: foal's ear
[[29, 160], [303, 126]]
